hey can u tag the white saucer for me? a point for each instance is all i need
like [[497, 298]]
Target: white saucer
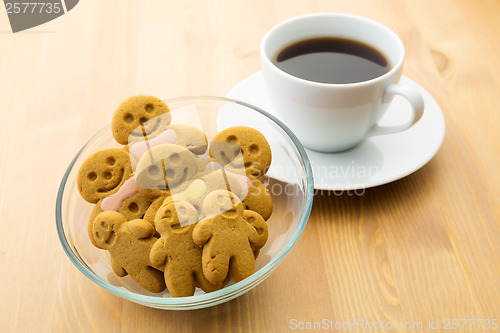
[[379, 159]]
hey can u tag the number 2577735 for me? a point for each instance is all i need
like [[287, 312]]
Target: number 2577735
[[33, 8]]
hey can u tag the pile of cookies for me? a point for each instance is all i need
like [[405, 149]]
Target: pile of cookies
[[173, 210]]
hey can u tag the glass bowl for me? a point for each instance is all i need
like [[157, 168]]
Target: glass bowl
[[289, 181]]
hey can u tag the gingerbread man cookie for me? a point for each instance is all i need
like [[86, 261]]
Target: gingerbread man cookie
[[134, 207], [175, 251], [103, 173], [165, 166], [139, 118], [259, 199], [242, 147], [228, 240], [129, 244]]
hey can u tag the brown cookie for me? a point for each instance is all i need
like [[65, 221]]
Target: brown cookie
[[228, 240], [176, 253], [164, 167], [135, 207], [132, 208], [191, 138], [103, 173], [242, 147], [129, 244], [259, 199], [138, 118]]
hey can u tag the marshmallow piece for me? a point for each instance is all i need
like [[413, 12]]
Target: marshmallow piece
[[114, 201], [139, 148], [195, 190]]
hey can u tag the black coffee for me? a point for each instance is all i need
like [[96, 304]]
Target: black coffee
[[332, 60]]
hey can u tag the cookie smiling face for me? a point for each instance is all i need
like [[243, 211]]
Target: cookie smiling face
[[242, 147], [223, 203], [165, 166], [175, 217], [139, 117], [104, 229], [103, 173]]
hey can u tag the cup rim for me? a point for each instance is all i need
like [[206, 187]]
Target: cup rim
[[208, 299], [396, 67]]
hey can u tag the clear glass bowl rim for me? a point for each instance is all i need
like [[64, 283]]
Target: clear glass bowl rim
[[196, 301]]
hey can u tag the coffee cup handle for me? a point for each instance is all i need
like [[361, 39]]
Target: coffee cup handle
[[415, 100]]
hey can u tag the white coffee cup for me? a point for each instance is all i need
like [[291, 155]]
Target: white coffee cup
[[335, 117]]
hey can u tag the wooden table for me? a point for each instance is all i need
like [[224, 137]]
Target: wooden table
[[423, 248]]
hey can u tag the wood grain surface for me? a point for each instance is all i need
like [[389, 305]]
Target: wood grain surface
[[423, 248]]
